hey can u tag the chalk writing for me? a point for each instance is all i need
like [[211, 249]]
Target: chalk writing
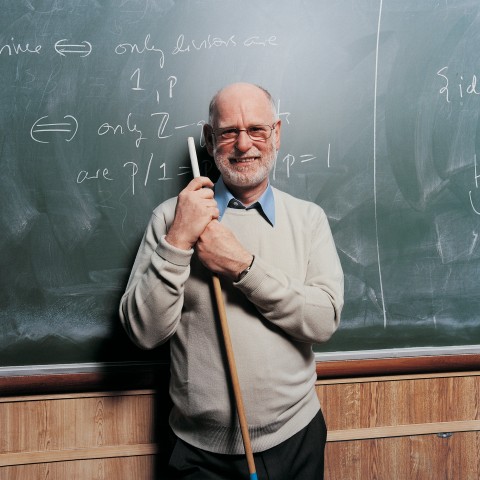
[[172, 79], [133, 174], [137, 85], [163, 168], [146, 47], [257, 41], [134, 126], [476, 177], [84, 48], [14, 48], [282, 114], [308, 157], [185, 171], [192, 45], [474, 243], [477, 211], [199, 124], [183, 46], [444, 89], [164, 117], [39, 129], [84, 175], [135, 170], [139, 172], [464, 87], [290, 160], [107, 128]]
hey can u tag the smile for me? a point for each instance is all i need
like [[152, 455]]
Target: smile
[[243, 160]]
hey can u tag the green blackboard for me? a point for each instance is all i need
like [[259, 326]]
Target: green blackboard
[[380, 109]]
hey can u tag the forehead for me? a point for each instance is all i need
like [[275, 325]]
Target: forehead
[[242, 105]]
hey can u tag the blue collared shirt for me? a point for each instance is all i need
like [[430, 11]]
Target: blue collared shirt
[[265, 204]]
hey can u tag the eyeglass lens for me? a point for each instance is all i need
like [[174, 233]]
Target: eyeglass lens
[[255, 132]]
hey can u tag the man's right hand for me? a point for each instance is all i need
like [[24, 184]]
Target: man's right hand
[[196, 208]]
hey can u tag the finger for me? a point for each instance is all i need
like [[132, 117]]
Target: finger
[[205, 193], [211, 210], [215, 213], [198, 183], [209, 203]]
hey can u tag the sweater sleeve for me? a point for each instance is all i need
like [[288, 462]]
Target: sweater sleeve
[[151, 306], [308, 310]]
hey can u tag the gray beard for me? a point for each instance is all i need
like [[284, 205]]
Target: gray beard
[[246, 179]]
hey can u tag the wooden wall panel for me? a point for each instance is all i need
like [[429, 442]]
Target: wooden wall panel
[[370, 423], [423, 457], [363, 403], [79, 436], [132, 468], [82, 421], [380, 428]]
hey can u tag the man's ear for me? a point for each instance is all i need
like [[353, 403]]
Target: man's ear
[[277, 134], [208, 135]]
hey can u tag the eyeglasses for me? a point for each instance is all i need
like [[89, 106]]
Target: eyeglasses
[[258, 133]]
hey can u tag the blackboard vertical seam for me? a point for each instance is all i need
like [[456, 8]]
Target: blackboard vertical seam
[[375, 163]]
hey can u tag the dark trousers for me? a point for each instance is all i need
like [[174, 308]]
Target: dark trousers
[[299, 457]]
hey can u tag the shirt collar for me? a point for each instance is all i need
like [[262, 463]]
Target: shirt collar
[[266, 201]]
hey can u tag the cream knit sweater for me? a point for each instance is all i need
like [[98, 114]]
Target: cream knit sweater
[[291, 298]]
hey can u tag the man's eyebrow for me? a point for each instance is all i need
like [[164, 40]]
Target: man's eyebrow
[[253, 124]]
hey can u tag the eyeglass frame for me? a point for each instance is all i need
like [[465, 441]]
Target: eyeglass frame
[[238, 130]]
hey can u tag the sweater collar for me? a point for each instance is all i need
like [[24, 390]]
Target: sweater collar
[[265, 204]]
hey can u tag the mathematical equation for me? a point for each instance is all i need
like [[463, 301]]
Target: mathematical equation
[[62, 47], [141, 173], [47, 129], [183, 45], [147, 47]]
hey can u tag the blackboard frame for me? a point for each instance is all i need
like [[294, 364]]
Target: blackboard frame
[[153, 376]]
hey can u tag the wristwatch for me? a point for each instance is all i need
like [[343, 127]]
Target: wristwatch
[[244, 272]]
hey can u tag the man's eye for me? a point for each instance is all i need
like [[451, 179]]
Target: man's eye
[[229, 132]]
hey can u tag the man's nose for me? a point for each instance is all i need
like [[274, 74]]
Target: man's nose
[[244, 142]]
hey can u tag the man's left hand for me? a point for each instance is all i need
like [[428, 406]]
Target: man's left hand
[[220, 251]]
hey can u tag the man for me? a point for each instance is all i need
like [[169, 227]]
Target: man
[[283, 289]]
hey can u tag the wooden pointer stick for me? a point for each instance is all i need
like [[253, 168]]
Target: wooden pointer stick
[[228, 344]]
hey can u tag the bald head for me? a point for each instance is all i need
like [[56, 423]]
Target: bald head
[[243, 90]]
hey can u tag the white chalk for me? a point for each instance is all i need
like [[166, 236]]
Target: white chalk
[[193, 157]]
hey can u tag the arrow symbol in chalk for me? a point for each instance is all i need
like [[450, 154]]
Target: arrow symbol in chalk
[[68, 127], [85, 48]]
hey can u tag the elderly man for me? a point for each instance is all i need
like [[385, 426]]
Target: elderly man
[[283, 289]]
